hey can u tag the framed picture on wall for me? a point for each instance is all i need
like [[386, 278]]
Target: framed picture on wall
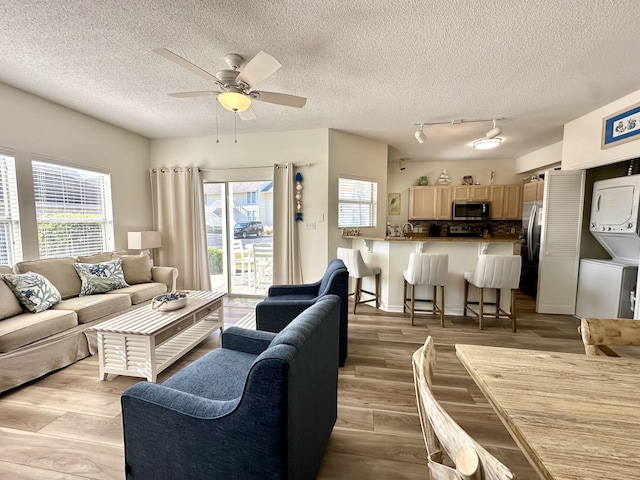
[[394, 204], [621, 127]]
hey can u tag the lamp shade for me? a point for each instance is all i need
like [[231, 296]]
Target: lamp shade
[[144, 240], [234, 101]]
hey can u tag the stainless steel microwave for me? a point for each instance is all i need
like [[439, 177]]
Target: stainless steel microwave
[[471, 210]]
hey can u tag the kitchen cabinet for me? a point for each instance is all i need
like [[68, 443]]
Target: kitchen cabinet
[[506, 202], [471, 192], [533, 191], [430, 203]]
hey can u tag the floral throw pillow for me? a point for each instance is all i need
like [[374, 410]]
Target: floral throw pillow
[[34, 291], [101, 277]]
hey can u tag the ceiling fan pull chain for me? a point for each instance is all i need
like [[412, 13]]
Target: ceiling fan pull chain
[[235, 126], [217, 136]]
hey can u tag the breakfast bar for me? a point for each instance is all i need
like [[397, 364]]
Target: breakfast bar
[[391, 254]]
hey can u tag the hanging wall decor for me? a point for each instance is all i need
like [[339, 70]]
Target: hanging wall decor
[[298, 197]]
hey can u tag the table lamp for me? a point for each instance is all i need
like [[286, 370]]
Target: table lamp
[[144, 241]]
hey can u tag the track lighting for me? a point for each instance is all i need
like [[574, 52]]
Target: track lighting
[[402, 167], [491, 139]]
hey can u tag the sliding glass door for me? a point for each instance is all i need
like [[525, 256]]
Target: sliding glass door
[[239, 236]]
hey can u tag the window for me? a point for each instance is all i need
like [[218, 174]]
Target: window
[[357, 202], [252, 198], [73, 210], [10, 242]]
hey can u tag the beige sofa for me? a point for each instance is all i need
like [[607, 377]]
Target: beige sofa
[[34, 344]]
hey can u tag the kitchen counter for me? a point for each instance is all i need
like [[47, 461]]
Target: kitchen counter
[[391, 254], [419, 238]]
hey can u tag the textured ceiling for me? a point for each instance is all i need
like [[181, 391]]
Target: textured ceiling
[[368, 67]]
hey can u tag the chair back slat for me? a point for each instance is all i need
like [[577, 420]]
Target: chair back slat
[[440, 431]]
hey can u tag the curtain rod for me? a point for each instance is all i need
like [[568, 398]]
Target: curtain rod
[[296, 165]]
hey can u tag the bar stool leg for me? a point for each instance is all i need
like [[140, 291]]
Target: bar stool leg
[[442, 306], [466, 297], [413, 300], [356, 295], [497, 302], [378, 291], [513, 310], [404, 297], [481, 308]]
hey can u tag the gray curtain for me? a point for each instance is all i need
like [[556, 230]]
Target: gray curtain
[[287, 268], [178, 212]]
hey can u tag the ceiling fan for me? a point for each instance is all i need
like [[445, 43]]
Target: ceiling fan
[[236, 86]]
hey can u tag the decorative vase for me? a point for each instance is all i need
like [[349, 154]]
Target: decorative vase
[[422, 181]]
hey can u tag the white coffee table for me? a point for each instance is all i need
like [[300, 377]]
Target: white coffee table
[[144, 342]]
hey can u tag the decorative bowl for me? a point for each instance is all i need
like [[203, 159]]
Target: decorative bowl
[[169, 301]]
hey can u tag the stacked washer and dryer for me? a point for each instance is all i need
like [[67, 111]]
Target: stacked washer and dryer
[[607, 288]]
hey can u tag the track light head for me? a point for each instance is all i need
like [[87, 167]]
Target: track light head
[[494, 132], [402, 167], [420, 135]]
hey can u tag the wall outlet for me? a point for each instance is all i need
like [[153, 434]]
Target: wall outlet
[[310, 226], [321, 217]]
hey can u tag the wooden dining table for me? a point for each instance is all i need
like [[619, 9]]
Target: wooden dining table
[[574, 416]]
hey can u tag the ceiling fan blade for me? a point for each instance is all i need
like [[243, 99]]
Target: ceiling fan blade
[[259, 67], [248, 114], [279, 98], [169, 55], [192, 94]]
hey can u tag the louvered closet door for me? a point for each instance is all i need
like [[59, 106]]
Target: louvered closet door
[[560, 241]]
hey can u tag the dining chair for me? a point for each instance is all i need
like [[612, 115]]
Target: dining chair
[[598, 333], [446, 441]]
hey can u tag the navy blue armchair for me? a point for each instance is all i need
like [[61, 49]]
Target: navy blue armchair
[[285, 302], [261, 407]]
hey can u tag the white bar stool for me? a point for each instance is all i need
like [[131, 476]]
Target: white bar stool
[[358, 269], [429, 269], [494, 271]]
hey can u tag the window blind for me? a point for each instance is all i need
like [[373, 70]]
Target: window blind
[[357, 203], [10, 240], [73, 210]]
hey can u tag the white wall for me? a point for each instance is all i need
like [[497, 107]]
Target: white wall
[[31, 125], [399, 181], [355, 156], [543, 159], [583, 137], [252, 158]]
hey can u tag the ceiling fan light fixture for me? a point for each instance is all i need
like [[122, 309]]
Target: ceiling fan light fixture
[[234, 101], [487, 143], [420, 135]]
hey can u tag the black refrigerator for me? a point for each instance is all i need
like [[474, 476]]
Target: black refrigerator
[[531, 227]]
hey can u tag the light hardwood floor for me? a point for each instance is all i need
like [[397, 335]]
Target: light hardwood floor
[[67, 425]]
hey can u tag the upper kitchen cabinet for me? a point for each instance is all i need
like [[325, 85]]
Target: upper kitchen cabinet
[[471, 192], [533, 191], [430, 203], [506, 202]]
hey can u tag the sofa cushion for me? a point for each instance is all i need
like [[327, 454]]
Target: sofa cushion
[[101, 257], [59, 271], [25, 328], [34, 291], [9, 304], [101, 277], [142, 292], [92, 307], [293, 297], [137, 268]]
